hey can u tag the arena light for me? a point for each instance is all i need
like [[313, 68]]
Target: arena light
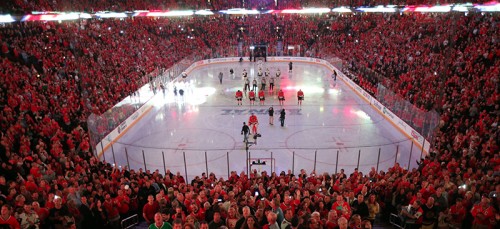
[[239, 11], [176, 13], [110, 15], [342, 9], [377, 9], [204, 12], [361, 114], [51, 17], [85, 16], [432, 9], [6, 18], [489, 7], [306, 11]]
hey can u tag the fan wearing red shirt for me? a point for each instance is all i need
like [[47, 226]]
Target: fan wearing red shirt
[[7, 219], [457, 213], [150, 209], [342, 207], [483, 213]]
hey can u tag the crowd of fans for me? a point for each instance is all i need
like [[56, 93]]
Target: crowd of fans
[[54, 75], [23, 7]]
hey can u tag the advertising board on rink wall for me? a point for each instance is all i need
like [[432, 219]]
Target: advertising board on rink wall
[[396, 121]]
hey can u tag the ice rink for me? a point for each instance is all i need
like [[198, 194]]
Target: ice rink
[[200, 131]]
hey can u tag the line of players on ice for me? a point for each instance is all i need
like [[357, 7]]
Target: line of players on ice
[[261, 95]]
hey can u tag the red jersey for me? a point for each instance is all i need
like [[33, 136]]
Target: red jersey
[[281, 94], [253, 120], [300, 94], [261, 94], [251, 94], [239, 94]]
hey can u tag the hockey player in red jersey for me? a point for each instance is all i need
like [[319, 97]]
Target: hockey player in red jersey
[[239, 96]]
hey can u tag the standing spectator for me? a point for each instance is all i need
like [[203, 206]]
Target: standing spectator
[[441, 201], [6, 217], [342, 207], [360, 207], [112, 207], [100, 214], [457, 214], [177, 224], [483, 213], [43, 213], [271, 221], [203, 225], [217, 221], [150, 209], [86, 212], [412, 215], [287, 220], [59, 216], [430, 214], [373, 207], [29, 219], [250, 223], [343, 223], [159, 223], [246, 214], [332, 220]]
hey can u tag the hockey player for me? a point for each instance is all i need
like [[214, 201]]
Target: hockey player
[[253, 122], [300, 97], [281, 97], [251, 96], [244, 74], [259, 73], [263, 84], [267, 73], [271, 84], [254, 85], [278, 73], [290, 66], [220, 77], [239, 96], [247, 85], [262, 97]]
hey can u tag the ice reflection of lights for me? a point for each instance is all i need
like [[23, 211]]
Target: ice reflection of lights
[[321, 109], [361, 114], [334, 91], [159, 117]]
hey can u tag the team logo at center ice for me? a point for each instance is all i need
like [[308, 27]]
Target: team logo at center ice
[[257, 111]]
